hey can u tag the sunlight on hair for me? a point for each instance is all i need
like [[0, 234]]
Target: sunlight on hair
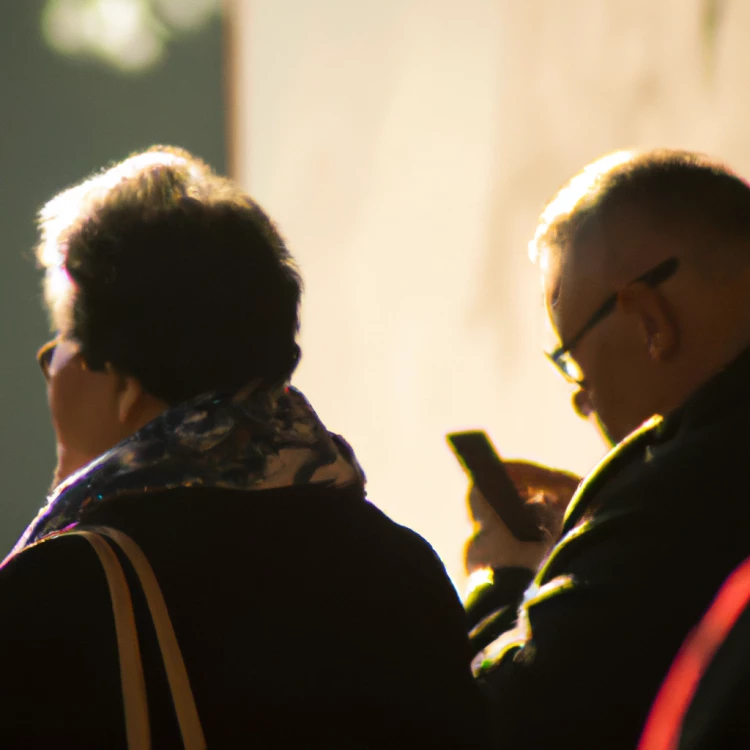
[[569, 197], [58, 297], [59, 213], [129, 35], [54, 218]]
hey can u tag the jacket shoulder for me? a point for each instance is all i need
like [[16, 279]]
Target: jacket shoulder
[[55, 609]]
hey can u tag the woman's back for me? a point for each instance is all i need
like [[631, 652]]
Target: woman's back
[[304, 615]]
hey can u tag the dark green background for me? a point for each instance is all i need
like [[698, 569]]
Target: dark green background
[[60, 120]]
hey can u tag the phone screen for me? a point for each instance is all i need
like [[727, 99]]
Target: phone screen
[[479, 458]]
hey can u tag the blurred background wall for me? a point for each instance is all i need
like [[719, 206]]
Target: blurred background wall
[[82, 83], [406, 148]]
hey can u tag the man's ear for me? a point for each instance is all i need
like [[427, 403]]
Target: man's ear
[[654, 318]]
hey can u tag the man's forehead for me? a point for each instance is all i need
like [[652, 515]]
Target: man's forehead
[[588, 254], [550, 265], [562, 267], [574, 280]]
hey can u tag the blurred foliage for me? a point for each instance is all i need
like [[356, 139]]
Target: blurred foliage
[[129, 35]]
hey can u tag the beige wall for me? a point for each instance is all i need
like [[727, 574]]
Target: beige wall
[[405, 148]]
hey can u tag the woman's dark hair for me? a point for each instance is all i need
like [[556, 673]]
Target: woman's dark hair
[[178, 277]]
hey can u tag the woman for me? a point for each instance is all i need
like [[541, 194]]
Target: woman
[[305, 616]]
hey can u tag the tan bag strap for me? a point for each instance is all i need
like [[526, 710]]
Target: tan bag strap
[[135, 703], [174, 665], [137, 728]]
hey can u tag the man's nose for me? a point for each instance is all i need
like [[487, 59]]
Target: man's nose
[[582, 404]]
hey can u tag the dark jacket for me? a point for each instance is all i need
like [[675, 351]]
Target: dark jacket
[[306, 618], [647, 542]]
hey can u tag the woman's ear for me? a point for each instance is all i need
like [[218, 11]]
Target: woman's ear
[[654, 319], [129, 394]]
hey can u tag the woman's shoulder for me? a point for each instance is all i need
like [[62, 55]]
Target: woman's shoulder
[[57, 644], [52, 572]]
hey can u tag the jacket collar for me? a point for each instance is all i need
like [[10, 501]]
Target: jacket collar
[[623, 454], [723, 392]]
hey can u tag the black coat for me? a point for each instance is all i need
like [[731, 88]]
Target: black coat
[[306, 618], [650, 538]]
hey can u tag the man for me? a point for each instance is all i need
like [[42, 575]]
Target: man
[[645, 260]]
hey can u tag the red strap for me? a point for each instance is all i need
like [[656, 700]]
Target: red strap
[[664, 724]]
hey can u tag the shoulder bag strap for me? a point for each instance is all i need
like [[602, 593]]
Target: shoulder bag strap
[[174, 666], [137, 728]]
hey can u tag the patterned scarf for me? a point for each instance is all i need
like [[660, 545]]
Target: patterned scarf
[[250, 440]]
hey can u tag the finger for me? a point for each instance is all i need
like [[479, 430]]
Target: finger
[[530, 471], [496, 547], [527, 476], [481, 511]]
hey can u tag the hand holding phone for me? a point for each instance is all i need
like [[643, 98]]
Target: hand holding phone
[[481, 462]]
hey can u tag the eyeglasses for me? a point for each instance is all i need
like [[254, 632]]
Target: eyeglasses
[[562, 359], [67, 348], [44, 356]]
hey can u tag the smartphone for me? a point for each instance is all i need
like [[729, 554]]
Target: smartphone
[[479, 458]]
